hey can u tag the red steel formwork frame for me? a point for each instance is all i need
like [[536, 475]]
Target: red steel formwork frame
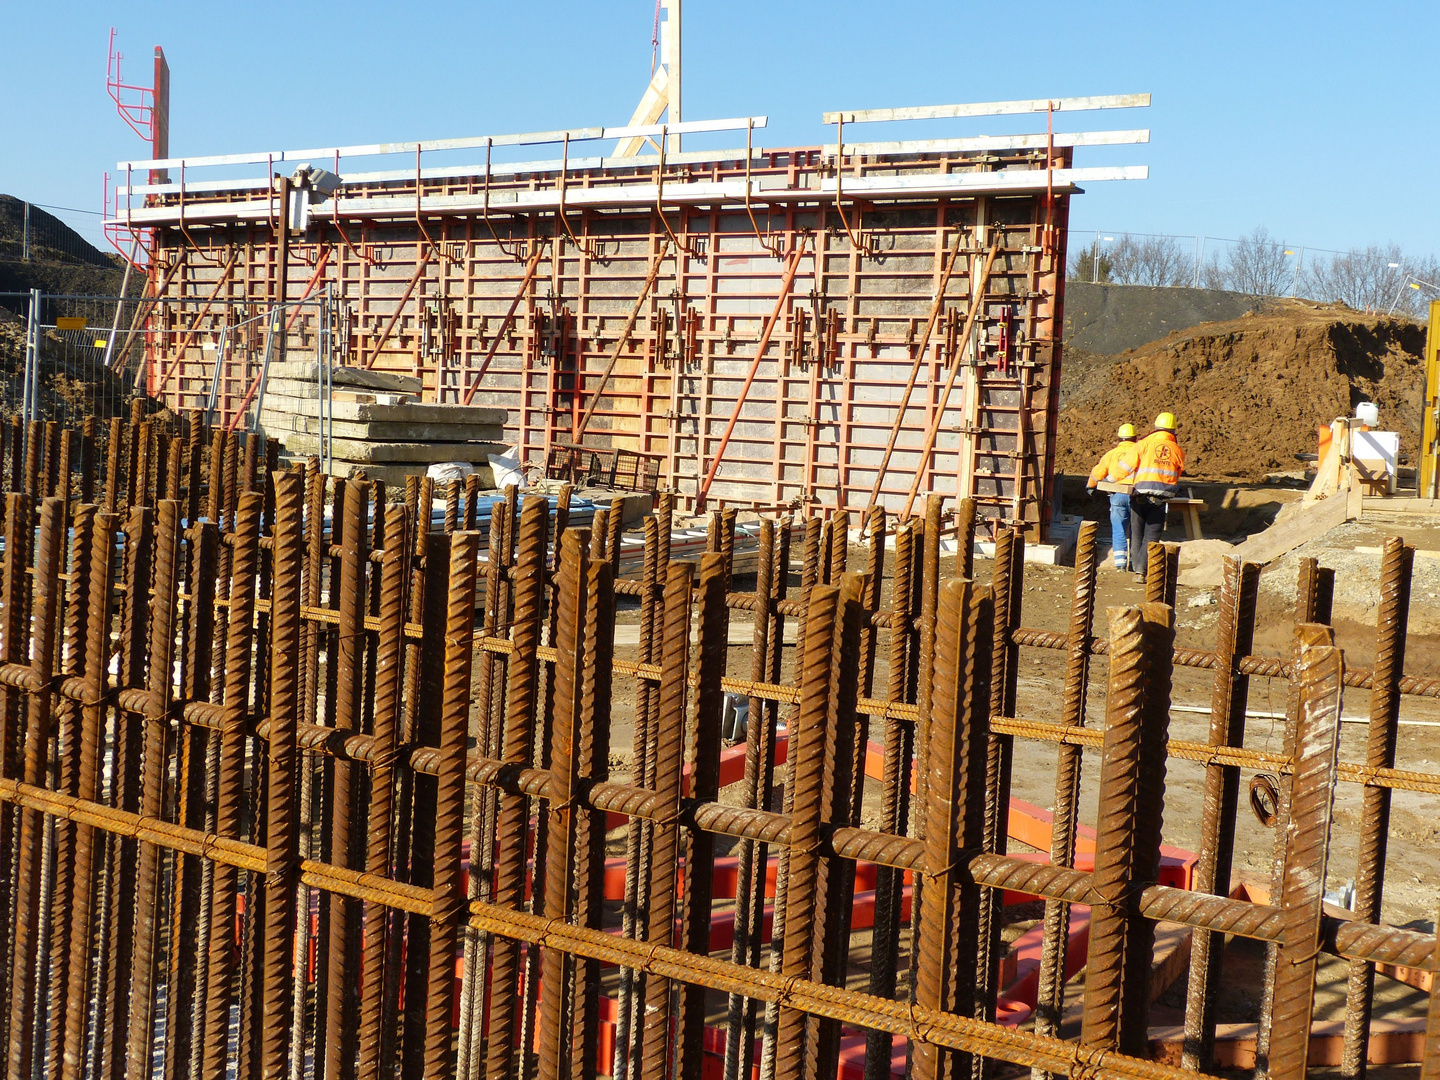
[[533, 287]]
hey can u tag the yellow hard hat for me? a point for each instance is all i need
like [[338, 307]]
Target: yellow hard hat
[[1127, 431], [1165, 422]]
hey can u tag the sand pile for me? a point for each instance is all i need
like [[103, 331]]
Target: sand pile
[[1249, 392]]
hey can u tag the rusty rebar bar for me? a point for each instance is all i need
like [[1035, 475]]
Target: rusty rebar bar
[[281, 822], [1127, 845], [654, 1062], [1235, 635], [1396, 563], [1312, 795], [447, 905], [1050, 994], [513, 817]]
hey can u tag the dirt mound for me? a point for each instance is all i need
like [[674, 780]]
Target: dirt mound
[[1250, 392], [56, 258]]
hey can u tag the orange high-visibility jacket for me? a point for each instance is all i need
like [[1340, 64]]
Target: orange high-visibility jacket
[[1118, 465], [1161, 464]]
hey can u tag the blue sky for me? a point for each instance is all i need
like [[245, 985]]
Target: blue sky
[[1317, 120]]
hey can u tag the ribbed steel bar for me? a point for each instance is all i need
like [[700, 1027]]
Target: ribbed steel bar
[[69, 738], [894, 800], [447, 906], [1229, 697], [1396, 564], [1127, 844], [346, 663], [153, 782], [281, 822], [1050, 995], [388, 682], [49, 551], [846, 747], [594, 754], [1312, 794], [519, 745], [240, 636], [702, 754], [749, 902], [926, 603], [116, 931], [947, 971], [189, 923], [1008, 589], [806, 759], [560, 857], [1313, 593], [655, 1052], [848, 1006], [97, 626]]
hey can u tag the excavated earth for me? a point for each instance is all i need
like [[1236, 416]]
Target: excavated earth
[[1251, 392]]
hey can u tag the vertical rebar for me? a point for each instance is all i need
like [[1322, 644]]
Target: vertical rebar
[[560, 856], [1127, 843], [1233, 640], [669, 753], [1320, 677], [894, 800], [949, 926], [281, 825], [1050, 996], [703, 756], [806, 758], [749, 909], [77, 999], [389, 681], [240, 635], [1396, 563], [513, 818], [462, 550]]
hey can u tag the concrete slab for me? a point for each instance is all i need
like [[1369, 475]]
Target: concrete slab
[[308, 371], [390, 453], [363, 411], [277, 423]]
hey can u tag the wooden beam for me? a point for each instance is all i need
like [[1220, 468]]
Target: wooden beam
[[652, 105]]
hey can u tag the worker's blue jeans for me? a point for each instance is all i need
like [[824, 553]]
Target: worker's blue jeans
[[1119, 526]]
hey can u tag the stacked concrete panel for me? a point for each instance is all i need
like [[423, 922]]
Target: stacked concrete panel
[[375, 422]]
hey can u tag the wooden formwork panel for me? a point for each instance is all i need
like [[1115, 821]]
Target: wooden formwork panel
[[526, 313]]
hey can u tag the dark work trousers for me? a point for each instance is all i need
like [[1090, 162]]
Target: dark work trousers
[[1147, 522]]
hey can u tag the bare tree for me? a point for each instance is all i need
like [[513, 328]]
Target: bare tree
[[1255, 265], [1377, 279], [1149, 260]]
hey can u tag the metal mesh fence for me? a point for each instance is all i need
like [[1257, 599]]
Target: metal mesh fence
[[65, 358]]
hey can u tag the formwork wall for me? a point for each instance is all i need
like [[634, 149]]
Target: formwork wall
[[427, 293]]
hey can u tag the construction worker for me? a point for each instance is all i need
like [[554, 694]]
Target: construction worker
[[1157, 479], [1118, 467]]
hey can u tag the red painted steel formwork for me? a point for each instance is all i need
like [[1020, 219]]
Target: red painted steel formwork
[[621, 301]]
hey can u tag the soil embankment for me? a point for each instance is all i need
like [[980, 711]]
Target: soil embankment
[[1249, 392]]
